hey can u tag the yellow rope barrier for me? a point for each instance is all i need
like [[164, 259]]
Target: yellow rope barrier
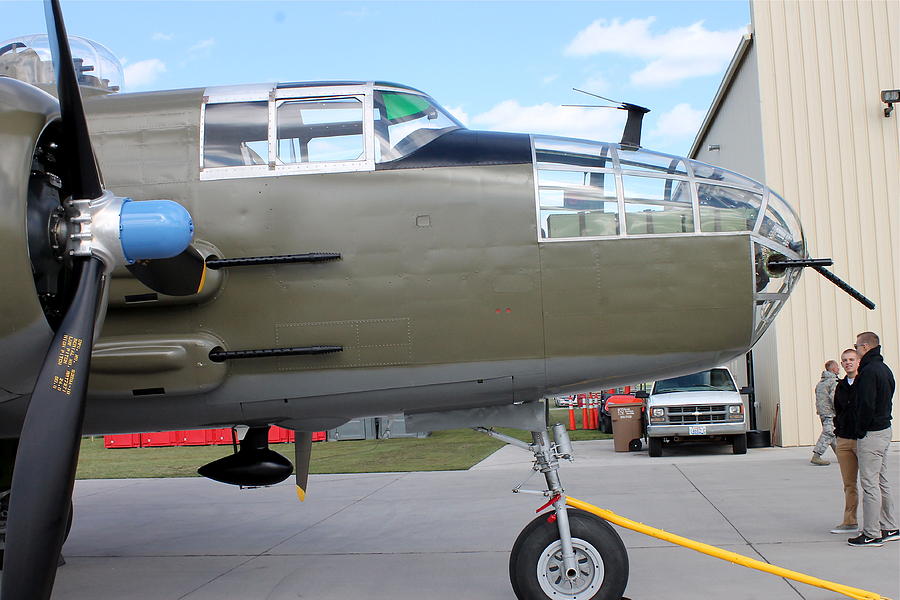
[[733, 557]]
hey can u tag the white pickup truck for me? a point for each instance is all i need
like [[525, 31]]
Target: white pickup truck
[[699, 406]]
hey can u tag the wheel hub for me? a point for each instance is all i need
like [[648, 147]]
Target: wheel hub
[[551, 571]]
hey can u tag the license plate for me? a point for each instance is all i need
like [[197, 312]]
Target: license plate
[[697, 430]]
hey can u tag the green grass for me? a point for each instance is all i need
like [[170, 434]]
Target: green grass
[[442, 451]]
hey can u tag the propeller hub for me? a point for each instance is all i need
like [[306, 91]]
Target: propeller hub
[[119, 231], [154, 229]]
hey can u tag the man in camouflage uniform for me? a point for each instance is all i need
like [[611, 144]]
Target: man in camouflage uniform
[[825, 410]]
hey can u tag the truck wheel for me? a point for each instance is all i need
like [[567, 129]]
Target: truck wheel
[[739, 444], [655, 444]]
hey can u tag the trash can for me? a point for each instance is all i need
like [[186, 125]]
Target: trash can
[[627, 426]]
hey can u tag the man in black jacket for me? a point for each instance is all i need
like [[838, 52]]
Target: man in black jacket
[[845, 432], [874, 389]]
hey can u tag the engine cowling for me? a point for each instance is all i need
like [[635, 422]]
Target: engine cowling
[[28, 190]]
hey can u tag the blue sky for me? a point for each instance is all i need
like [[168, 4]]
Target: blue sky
[[505, 66]]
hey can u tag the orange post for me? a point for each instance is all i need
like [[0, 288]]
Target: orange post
[[572, 426]]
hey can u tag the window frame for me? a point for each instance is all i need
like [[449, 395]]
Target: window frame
[[275, 96], [619, 171]]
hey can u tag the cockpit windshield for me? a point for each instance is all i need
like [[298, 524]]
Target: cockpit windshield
[[404, 122]]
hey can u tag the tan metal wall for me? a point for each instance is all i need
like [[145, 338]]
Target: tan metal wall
[[829, 149]]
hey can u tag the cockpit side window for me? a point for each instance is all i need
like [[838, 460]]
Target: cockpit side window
[[268, 130], [236, 134], [319, 130]]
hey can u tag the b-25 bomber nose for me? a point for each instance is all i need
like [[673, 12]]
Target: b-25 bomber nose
[[659, 236]]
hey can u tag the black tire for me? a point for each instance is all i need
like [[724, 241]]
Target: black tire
[[517, 547], [739, 444], [655, 445], [635, 445], [595, 542]]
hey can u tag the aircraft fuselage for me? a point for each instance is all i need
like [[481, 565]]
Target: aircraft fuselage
[[450, 291]]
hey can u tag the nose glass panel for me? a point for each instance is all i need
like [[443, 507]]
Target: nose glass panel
[[598, 190], [781, 225], [772, 289]]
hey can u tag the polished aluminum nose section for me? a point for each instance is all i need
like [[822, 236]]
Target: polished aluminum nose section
[[595, 191]]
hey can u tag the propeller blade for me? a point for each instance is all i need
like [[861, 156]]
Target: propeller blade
[[181, 275], [302, 454], [83, 180], [45, 464]]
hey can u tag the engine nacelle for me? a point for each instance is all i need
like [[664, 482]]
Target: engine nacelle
[[27, 123]]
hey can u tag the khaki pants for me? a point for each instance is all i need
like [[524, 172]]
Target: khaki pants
[[846, 455]]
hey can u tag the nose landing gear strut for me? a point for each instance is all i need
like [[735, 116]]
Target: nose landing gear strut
[[567, 554]]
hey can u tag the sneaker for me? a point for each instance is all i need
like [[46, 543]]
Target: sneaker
[[863, 540], [845, 529], [890, 535], [818, 460]]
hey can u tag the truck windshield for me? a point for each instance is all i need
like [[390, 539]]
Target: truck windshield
[[718, 380], [405, 122]]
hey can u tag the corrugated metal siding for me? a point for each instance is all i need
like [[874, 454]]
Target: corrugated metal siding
[[835, 157]]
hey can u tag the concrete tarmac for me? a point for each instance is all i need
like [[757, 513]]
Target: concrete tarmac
[[447, 535]]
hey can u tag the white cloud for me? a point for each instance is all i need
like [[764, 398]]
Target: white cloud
[[202, 45], [620, 38], [461, 115], [677, 54], [680, 122], [143, 73], [549, 79], [162, 37], [596, 84], [589, 123]]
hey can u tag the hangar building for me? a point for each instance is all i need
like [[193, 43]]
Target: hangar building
[[800, 108]]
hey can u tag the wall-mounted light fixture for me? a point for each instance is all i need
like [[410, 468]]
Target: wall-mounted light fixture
[[889, 97]]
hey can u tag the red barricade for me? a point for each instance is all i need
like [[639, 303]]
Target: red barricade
[[124, 440], [195, 437]]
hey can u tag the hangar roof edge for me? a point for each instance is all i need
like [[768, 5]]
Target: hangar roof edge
[[727, 79]]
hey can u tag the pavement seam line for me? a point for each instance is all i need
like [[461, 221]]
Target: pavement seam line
[[738, 531], [307, 528]]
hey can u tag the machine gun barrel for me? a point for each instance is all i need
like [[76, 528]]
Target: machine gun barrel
[[846, 287], [819, 264], [250, 261]]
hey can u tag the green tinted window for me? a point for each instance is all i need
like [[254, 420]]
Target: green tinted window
[[398, 106]]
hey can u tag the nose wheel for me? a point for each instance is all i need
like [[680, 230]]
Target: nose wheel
[[565, 553], [537, 570]]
